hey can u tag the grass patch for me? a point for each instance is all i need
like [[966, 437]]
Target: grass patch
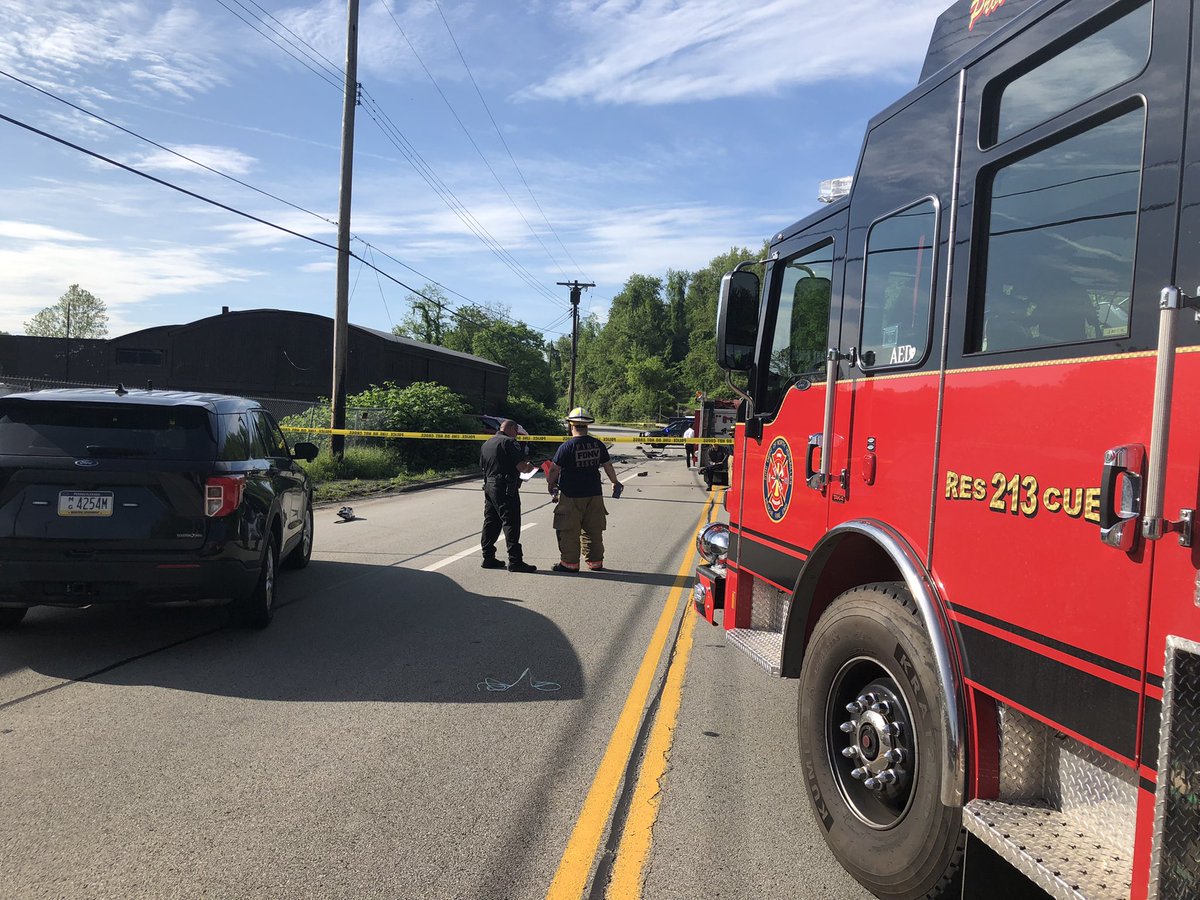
[[368, 470]]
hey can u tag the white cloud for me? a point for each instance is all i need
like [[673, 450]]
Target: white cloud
[[648, 240], [32, 277], [64, 42], [223, 159], [30, 231], [668, 51]]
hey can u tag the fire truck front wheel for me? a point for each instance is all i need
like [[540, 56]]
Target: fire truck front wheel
[[869, 713]]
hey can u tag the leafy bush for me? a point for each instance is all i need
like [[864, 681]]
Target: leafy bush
[[422, 406]]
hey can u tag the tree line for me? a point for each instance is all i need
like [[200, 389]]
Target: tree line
[[648, 358]]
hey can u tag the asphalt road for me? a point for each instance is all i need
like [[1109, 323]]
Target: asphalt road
[[409, 726]]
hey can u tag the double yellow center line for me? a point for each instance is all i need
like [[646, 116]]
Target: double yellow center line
[[570, 881]]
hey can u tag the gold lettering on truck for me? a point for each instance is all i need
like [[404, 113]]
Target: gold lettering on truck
[[1021, 495]]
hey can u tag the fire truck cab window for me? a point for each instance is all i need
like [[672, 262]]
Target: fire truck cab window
[[1060, 241], [898, 288], [1110, 53], [800, 326]]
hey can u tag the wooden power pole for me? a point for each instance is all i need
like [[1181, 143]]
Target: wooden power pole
[[341, 319], [575, 287]]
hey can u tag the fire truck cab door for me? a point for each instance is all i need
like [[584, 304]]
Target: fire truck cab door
[[1068, 197], [780, 518]]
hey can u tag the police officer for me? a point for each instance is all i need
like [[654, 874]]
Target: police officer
[[502, 461], [579, 514]]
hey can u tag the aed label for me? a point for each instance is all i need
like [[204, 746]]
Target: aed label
[[905, 353], [1022, 495]]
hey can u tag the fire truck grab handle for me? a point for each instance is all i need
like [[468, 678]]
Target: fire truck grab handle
[[1123, 467], [812, 477]]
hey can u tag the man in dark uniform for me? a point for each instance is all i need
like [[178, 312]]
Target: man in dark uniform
[[502, 461], [579, 514]]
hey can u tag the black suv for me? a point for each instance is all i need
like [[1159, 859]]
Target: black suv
[[152, 496]]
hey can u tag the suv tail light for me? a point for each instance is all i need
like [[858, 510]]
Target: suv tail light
[[223, 494]]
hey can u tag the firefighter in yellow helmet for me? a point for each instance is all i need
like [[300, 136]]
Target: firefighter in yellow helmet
[[579, 514]]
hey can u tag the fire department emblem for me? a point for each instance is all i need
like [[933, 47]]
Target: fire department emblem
[[777, 479]]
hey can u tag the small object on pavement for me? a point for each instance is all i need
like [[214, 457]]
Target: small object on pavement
[[642, 474], [346, 514]]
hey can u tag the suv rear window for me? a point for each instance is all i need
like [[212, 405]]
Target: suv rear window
[[104, 430]]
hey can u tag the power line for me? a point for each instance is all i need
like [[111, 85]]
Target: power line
[[464, 128], [234, 179], [259, 25], [231, 209], [500, 135], [414, 158], [311, 51], [270, 35], [163, 147]]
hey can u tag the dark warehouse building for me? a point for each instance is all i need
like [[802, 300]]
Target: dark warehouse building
[[258, 353]]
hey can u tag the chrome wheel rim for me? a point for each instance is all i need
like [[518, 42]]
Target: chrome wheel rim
[[872, 744]]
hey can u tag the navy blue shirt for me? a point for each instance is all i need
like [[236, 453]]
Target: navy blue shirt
[[580, 459]]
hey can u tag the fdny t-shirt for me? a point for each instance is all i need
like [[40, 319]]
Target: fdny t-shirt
[[580, 459]]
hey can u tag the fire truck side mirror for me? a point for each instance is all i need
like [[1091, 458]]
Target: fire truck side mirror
[[737, 321]]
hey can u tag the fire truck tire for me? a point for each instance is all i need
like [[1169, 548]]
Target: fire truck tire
[[870, 746]]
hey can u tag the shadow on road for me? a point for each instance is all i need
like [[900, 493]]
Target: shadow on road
[[656, 579], [348, 632]]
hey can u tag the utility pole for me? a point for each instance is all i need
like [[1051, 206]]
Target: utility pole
[[575, 287], [67, 352], [341, 319]]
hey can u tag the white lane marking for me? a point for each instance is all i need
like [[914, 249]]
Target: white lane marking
[[457, 556]]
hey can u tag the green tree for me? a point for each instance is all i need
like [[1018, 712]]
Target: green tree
[[491, 333], [78, 314], [677, 282], [699, 368], [427, 316]]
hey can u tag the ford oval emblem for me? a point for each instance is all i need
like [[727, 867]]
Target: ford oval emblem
[[87, 463]]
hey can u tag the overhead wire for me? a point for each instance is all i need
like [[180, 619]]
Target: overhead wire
[[309, 50], [500, 135], [467, 131], [270, 35], [133, 170], [329, 73], [163, 147], [410, 153]]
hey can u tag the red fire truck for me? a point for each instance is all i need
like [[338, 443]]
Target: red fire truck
[[964, 471]]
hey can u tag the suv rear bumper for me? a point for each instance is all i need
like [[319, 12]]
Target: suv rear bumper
[[82, 582]]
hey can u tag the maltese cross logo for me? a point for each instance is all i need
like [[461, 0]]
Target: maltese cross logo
[[777, 479]]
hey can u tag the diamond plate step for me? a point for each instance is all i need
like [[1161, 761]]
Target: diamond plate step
[[764, 647], [1055, 850]]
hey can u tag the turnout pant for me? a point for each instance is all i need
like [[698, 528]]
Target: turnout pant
[[580, 520], [501, 510]]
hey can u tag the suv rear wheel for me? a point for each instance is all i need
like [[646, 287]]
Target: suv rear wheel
[[11, 616], [257, 609]]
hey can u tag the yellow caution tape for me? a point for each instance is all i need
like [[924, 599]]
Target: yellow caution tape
[[537, 438]]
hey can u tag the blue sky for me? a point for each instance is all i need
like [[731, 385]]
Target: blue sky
[[647, 135]]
